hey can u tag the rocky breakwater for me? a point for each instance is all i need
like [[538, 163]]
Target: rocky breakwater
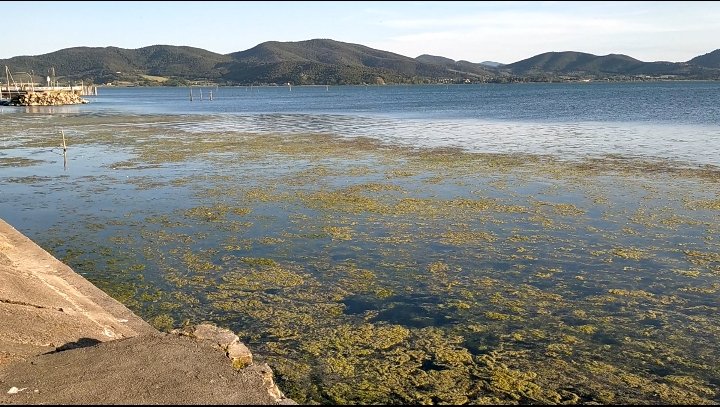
[[48, 98]]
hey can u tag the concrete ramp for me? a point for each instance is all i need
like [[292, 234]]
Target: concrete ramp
[[45, 305], [64, 341]]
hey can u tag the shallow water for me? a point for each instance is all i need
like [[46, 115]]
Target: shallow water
[[368, 262], [667, 120]]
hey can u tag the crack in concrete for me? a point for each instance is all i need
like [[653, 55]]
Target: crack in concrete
[[89, 314], [27, 304]]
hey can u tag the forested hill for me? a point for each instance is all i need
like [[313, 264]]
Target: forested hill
[[325, 61], [709, 60], [579, 64]]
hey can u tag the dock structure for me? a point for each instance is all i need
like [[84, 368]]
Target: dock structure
[[44, 96], [28, 94]]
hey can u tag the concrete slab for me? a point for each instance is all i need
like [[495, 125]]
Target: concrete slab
[[150, 369], [43, 303], [64, 341]]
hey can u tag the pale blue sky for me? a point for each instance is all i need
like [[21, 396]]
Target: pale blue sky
[[473, 31]]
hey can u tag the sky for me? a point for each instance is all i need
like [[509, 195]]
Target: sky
[[503, 32]]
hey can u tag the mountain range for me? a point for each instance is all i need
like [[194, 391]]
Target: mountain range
[[329, 62]]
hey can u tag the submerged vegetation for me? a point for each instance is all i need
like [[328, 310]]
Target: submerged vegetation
[[367, 273]]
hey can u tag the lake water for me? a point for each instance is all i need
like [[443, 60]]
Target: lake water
[[661, 119], [401, 244]]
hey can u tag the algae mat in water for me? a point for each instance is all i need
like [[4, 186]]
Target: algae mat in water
[[365, 272]]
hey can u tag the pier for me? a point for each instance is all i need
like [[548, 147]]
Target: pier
[[31, 94], [45, 96]]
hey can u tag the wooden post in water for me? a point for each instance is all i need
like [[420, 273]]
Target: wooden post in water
[[200, 93], [210, 95], [191, 98], [64, 150]]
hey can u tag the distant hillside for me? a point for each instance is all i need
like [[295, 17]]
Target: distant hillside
[[323, 51], [492, 64], [111, 63], [330, 62], [579, 63], [569, 62], [434, 60], [451, 65], [317, 61], [180, 61], [325, 61], [709, 60]]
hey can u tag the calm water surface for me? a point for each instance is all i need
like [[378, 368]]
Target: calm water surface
[[667, 120]]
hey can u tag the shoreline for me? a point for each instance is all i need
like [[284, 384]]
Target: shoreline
[[105, 86]]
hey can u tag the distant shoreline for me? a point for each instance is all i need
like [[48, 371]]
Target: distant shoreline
[[407, 84]]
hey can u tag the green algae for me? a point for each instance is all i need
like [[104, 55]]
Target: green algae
[[339, 232], [13, 162], [163, 322], [369, 274], [628, 253]]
